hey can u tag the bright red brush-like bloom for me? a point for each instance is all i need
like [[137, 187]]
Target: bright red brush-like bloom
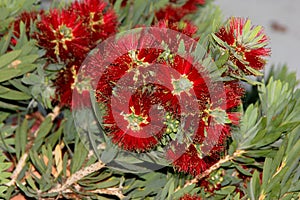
[[99, 20], [176, 14], [247, 45], [28, 18], [68, 35], [123, 3], [63, 36], [137, 126], [191, 5], [208, 144], [213, 128], [184, 27], [68, 92], [63, 84], [190, 197]]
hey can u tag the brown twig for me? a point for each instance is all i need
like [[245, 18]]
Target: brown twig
[[77, 176], [111, 191], [17, 170], [115, 191]]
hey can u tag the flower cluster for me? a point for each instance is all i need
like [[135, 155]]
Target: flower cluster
[[246, 45], [152, 97], [68, 35], [181, 104], [213, 130]]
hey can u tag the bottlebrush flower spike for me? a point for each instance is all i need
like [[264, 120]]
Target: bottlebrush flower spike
[[28, 18], [97, 17], [66, 84], [175, 14], [184, 27], [63, 36], [213, 131], [246, 45], [138, 126], [190, 197]]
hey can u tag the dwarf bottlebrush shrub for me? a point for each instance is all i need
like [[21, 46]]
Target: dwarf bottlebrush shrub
[[142, 100]]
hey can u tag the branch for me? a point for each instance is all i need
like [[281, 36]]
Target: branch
[[17, 170], [214, 167], [78, 176], [111, 191], [21, 163]]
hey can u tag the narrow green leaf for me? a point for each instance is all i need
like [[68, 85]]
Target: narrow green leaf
[[21, 138], [225, 190], [8, 106], [44, 129], [24, 189], [247, 26], [7, 74], [165, 190], [243, 171], [108, 183], [218, 40], [9, 57], [266, 172], [31, 183], [5, 41], [254, 188], [183, 191], [37, 161], [79, 156], [10, 94], [17, 84]]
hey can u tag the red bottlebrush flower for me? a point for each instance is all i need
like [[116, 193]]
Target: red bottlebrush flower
[[28, 18], [97, 17], [209, 143], [213, 128], [210, 187], [246, 45], [184, 27], [138, 126], [63, 36], [123, 4], [234, 92], [175, 14], [190, 197], [191, 5], [68, 92], [170, 13], [64, 85], [190, 161]]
